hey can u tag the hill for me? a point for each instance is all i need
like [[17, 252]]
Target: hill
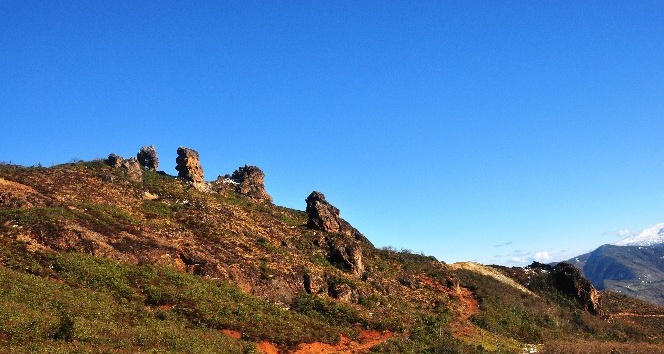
[[113, 256], [637, 271]]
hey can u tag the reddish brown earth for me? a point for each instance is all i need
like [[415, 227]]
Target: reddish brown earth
[[267, 348], [461, 326], [367, 340], [231, 333]]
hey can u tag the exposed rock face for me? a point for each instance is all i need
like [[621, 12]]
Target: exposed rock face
[[188, 165], [569, 280], [347, 257], [250, 181], [134, 170], [340, 291], [325, 217], [147, 157], [114, 160], [132, 166], [322, 215]]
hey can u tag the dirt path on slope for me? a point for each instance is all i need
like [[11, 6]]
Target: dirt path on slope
[[461, 327]]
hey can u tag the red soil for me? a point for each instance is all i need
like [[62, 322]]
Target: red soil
[[231, 333]]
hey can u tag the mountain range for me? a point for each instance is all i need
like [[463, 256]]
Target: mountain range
[[633, 265]]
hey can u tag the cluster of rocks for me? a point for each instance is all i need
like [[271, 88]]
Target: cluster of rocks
[[247, 180], [131, 166], [342, 242], [250, 181]]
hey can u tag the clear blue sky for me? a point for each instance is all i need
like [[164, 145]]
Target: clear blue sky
[[499, 132]]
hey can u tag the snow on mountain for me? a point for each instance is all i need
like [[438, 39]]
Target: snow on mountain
[[647, 237]]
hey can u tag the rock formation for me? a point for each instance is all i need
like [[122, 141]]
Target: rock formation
[[250, 181], [346, 256], [344, 250], [570, 281], [114, 160], [134, 169], [322, 215], [325, 217], [188, 165], [147, 157], [132, 166]]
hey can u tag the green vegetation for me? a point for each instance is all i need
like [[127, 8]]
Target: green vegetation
[[262, 273], [38, 315], [98, 301]]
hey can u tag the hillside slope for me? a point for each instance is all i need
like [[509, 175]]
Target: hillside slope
[[633, 270], [101, 257]]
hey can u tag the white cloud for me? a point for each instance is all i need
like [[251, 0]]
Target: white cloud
[[623, 232], [541, 256]]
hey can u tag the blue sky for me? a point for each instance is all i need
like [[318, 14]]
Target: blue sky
[[499, 132]]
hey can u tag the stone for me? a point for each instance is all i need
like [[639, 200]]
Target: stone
[[114, 160], [321, 214], [250, 181], [325, 217], [340, 291], [147, 157], [347, 257], [134, 169], [188, 165]]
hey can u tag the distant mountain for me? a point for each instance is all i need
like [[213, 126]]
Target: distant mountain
[[648, 237], [633, 266]]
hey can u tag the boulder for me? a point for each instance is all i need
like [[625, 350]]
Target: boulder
[[147, 157], [321, 214], [188, 165], [325, 217], [250, 181]]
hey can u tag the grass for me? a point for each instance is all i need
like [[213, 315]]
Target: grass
[[101, 301], [38, 315], [72, 302]]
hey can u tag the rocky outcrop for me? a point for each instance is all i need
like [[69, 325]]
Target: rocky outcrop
[[114, 160], [189, 165], [250, 181], [570, 281], [134, 170], [325, 217], [147, 157], [131, 166], [321, 214], [346, 256]]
